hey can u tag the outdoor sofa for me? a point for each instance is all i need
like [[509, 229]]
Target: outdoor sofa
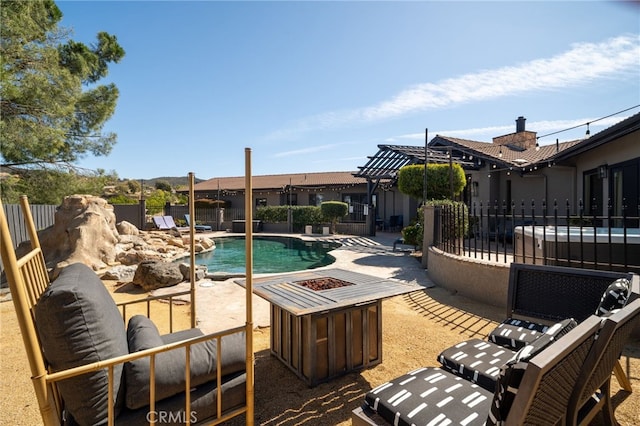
[[89, 367]]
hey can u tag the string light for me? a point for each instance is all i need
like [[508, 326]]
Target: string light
[[589, 122]]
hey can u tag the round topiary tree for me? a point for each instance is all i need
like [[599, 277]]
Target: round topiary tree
[[441, 178], [334, 210]]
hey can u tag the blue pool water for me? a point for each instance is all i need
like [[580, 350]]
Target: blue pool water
[[270, 255]]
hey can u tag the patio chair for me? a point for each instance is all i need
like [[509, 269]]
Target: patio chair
[[528, 390], [172, 225], [592, 393], [480, 361], [86, 368], [160, 224], [200, 228]]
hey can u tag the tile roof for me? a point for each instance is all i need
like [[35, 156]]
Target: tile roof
[[280, 181], [505, 155]]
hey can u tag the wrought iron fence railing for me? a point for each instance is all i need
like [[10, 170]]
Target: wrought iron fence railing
[[556, 234]]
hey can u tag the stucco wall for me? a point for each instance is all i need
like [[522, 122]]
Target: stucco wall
[[484, 281]]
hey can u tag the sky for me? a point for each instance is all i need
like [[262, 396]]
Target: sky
[[317, 86]]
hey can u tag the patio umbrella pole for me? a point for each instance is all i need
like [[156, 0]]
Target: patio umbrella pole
[[248, 228]]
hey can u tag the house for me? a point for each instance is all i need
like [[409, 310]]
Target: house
[[607, 169], [515, 170], [511, 172], [300, 189]]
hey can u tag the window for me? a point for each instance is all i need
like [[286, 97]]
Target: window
[[593, 193], [261, 202], [315, 199], [288, 199], [624, 192]]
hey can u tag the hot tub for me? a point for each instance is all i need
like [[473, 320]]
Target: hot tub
[[607, 248]]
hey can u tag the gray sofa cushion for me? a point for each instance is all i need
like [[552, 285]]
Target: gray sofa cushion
[[79, 323], [171, 366]]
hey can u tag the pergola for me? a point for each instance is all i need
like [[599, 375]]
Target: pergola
[[384, 166]]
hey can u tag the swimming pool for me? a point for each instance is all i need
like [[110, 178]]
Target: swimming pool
[[270, 255]]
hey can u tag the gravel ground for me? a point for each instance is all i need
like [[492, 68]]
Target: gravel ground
[[415, 328]]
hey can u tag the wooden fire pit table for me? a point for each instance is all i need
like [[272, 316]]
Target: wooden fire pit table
[[327, 323]]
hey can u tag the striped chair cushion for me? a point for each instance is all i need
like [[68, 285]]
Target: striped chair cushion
[[480, 361], [512, 372], [614, 297], [509, 381], [430, 396], [476, 360], [515, 333]]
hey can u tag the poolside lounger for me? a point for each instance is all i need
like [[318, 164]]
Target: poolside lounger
[[527, 390], [160, 223], [197, 227], [168, 220]]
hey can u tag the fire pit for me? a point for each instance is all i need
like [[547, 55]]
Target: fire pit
[[326, 323], [324, 283]]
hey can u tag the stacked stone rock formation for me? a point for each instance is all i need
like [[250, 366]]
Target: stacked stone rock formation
[[85, 231]]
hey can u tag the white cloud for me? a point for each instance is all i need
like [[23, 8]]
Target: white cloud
[[540, 127], [304, 150], [582, 64]]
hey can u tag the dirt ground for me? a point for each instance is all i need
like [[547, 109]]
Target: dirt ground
[[416, 327]]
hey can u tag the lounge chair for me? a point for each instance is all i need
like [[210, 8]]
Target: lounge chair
[[86, 368], [199, 228], [480, 361], [160, 223], [168, 220], [527, 390]]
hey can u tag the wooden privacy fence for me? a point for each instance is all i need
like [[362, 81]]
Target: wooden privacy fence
[[43, 216], [541, 234]]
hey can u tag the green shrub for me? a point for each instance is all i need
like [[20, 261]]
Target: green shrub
[[334, 210], [301, 215], [306, 215], [411, 180], [272, 214], [122, 199], [414, 233], [454, 218]]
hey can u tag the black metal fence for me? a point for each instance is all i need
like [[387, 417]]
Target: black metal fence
[[539, 233]]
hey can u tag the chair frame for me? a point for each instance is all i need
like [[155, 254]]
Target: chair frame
[[28, 278], [583, 286], [597, 368]]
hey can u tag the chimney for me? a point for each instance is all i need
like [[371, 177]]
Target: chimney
[[520, 140]]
